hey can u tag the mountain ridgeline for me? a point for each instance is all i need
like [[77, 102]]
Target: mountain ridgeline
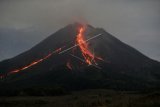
[[122, 67]]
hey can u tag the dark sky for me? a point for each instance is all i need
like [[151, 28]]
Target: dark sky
[[24, 23]]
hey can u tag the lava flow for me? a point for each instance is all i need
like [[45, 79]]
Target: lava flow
[[81, 42], [89, 57], [31, 64]]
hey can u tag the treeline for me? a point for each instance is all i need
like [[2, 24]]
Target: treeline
[[34, 92]]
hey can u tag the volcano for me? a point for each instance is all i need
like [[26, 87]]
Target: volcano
[[78, 57]]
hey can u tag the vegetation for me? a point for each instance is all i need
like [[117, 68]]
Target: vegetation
[[87, 98], [56, 91]]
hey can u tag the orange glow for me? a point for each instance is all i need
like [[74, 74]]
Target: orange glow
[[88, 56], [32, 63], [69, 65]]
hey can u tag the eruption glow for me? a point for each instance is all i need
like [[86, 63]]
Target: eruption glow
[[32, 63], [89, 57], [81, 42]]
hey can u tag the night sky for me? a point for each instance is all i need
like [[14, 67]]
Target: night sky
[[24, 23]]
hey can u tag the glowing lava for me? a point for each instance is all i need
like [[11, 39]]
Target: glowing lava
[[32, 63], [89, 57], [81, 42], [69, 65]]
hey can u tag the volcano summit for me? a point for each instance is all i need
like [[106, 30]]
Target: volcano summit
[[79, 57]]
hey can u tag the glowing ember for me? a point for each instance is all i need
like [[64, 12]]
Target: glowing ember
[[88, 56], [31, 64], [69, 65]]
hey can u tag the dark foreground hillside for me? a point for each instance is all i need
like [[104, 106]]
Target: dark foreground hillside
[[87, 98]]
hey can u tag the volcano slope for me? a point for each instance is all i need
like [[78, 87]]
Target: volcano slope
[[120, 66]]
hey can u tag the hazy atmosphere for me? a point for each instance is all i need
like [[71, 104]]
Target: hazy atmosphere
[[24, 23]]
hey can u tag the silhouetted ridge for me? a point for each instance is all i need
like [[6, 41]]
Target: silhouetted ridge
[[123, 68]]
